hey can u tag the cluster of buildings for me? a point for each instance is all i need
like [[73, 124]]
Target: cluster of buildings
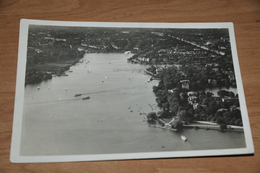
[[194, 101]]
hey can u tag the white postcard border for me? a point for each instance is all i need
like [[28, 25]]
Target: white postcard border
[[19, 95]]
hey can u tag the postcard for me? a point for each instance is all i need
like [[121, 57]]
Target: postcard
[[90, 91]]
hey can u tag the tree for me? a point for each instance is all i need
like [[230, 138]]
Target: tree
[[182, 115], [164, 114], [231, 94], [151, 116], [223, 127], [220, 120], [176, 124]]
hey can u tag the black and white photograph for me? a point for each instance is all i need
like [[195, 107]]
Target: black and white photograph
[[89, 91]]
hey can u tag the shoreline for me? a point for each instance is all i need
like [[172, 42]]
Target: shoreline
[[195, 125], [37, 73], [213, 126]]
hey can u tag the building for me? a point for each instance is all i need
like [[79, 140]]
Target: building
[[185, 84], [230, 100], [192, 99], [192, 93]]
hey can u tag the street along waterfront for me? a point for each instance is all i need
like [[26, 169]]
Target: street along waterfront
[[55, 122]]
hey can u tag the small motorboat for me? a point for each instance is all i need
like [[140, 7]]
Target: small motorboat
[[86, 98], [183, 138]]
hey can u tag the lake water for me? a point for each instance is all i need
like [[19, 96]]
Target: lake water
[[111, 121]]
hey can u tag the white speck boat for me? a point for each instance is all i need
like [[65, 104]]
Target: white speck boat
[[183, 138]]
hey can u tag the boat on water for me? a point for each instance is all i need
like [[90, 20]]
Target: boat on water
[[86, 98], [183, 138], [77, 95]]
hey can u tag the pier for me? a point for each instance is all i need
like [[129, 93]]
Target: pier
[[212, 126]]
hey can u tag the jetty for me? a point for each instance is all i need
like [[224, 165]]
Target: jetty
[[173, 125], [212, 126]]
